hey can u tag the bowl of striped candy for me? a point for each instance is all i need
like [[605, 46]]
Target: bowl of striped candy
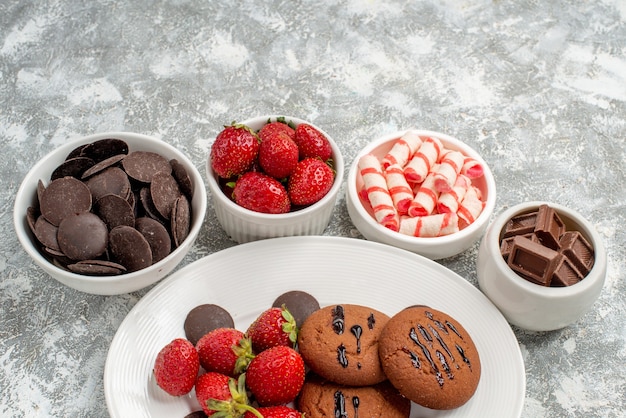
[[422, 191]]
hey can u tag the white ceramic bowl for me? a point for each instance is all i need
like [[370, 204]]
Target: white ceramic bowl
[[243, 225], [432, 247], [123, 283], [528, 305]]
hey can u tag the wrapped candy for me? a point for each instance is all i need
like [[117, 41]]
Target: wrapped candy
[[429, 226], [375, 188], [449, 201], [402, 150], [448, 170], [472, 168], [422, 161], [401, 192], [425, 199], [471, 206]]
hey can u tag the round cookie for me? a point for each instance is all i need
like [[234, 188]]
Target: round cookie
[[321, 397], [430, 358], [340, 343]]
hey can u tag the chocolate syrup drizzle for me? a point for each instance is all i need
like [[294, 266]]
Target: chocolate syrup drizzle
[[338, 319], [340, 405], [426, 339], [341, 356], [357, 331]]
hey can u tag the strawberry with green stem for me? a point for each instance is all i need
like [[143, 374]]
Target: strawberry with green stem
[[273, 327]]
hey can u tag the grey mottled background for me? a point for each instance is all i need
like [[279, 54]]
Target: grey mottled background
[[537, 87]]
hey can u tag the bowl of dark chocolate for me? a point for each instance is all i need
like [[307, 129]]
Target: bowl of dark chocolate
[[542, 264], [110, 213]]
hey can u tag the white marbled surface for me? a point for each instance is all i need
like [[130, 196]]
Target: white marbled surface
[[537, 87]]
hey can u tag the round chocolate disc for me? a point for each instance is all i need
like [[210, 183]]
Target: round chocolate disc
[[156, 235], [300, 304], [63, 197], [164, 191], [205, 318], [181, 220], [182, 177], [97, 268], [113, 180], [96, 168], [143, 165], [83, 236], [114, 211], [74, 167], [130, 248], [46, 233], [104, 148]]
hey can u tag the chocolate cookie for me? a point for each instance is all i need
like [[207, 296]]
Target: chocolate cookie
[[430, 358], [340, 343], [321, 398]]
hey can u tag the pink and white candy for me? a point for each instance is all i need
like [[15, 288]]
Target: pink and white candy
[[375, 188], [430, 226], [402, 150]]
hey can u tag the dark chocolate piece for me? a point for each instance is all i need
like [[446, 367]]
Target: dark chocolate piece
[[205, 318], [104, 148], [578, 250], [164, 191], [114, 211], [300, 304], [182, 177], [97, 268], [46, 233], [533, 260], [130, 248], [507, 243], [96, 168], [143, 165], [566, 274], [157, 236], [63, 197], [181, 220], [520, 225], [83, 236], [74, 167], [549, 227], [113, 180]]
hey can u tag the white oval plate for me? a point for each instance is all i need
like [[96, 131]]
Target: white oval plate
[[245, 280]]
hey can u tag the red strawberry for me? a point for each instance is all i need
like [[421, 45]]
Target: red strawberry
[[280, 411], [224, 350], [222, 395], [273, 327], [261, 193], [275, 376], [310, 181], [272, 128], [278, 155], [234, 151], [176, 367], [312, 143]]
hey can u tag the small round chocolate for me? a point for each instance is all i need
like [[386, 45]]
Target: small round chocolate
[[114, 211], [205, 318], [83, 236], [164, 191], [113, 180], [143, 165], [74, 167], [130, 248], [300, 304], [181, 220], [63, 197], [156, 235]]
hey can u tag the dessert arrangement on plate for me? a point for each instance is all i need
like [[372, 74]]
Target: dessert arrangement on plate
[[116, 212]]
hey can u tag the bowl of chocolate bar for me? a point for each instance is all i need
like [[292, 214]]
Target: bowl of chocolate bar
[[110, 213], [422, 191], [542, 264]]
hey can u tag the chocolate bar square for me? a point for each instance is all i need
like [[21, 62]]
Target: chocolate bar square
[[549, 227], [507, 243], [566, 274], [533, 261], [578, 250], [520, 225]]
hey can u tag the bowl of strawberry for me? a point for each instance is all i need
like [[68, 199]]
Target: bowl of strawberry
[[273, 176]]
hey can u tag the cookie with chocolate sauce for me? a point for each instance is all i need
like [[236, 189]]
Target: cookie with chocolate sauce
[[430, 358]]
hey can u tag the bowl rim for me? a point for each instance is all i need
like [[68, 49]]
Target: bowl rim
[[583, 286], [240, 211], [466, 232], [22, 197]]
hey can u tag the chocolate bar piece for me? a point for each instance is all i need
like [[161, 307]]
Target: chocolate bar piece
[[549, 227], [520, 225], [533, 261], [576, 248], [566, 274], [507, 243]]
